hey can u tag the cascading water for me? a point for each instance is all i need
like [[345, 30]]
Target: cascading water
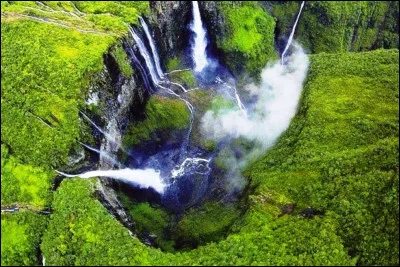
[[142, 178], [199, 53], [136, 63], [102, 154], [146, 56], [97, 127], [291, 35], [153, 48], [199, 44]]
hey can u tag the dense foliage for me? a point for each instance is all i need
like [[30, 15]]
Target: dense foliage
[[340, 153], [23, 184], [248, 42], [326, 194], [184, 77], [20, 238], [162, 115], [333, 26]]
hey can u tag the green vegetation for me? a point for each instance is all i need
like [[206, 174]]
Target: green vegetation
[[339, 156], [20, 238], [102, 17], [23, 184], [186, 77], [340, 153], [150, 220], [49, 55], [82, 232], [44, 81], [220, 105], [248, 41], [331, 26], [211, 222], [162, 115], [122, 59]]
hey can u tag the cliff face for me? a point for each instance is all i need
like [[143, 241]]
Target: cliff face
[[169, 22], [330, 26], [244, 35], [171, 29]]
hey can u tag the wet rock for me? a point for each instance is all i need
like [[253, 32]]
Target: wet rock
[[287, 209], [310, 212]]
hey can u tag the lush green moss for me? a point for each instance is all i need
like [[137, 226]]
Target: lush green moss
[[162, 114], [82, 232], [340, 153], [23, 184], [186, 77], [211, 222], [122, 59], [331, 26], [98, 16], [20, 237], [152, 221], [44, 80], [248, 41]]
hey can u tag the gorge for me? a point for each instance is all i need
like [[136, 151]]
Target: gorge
[[199, 133]]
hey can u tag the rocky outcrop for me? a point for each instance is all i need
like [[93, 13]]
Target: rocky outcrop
[[170, 25], [121, 99], [170, 21]]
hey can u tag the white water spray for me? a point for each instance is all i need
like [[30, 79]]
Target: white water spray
[[278, 96], [199, 55], [142, 178], [179, 170], [291, 34], [237, 98], [146, 55], [153, 48]]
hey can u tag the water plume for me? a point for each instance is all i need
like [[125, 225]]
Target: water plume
[[278, 95], [142, 178]]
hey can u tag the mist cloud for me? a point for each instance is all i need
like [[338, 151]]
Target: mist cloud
[[278, 95]]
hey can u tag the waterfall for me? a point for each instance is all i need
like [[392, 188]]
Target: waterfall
[[102, 154], [92, 122], [143, 178], [237, 97], [153, 48], [145, 54], [190, 107], [188, 163], [135, 61], [199, 55], [106, 135], [291, 34]]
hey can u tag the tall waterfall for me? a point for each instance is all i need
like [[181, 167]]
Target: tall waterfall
[[291, 34], [143, 178], [199, 45], [153, 48], [146, 55], [103, 154], [136, 63]]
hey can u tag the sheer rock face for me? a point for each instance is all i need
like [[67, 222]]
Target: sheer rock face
[[170, 23], [121, 99]]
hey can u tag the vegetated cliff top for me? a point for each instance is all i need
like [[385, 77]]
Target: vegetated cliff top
[[339, 156]]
